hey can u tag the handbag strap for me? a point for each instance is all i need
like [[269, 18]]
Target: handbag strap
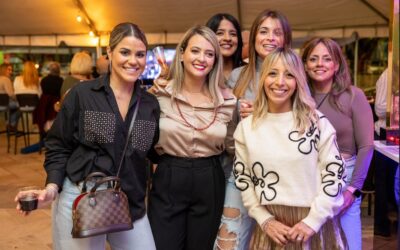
[[129, 133]]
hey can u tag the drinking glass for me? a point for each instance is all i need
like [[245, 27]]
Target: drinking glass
[[160, 57], [28, 199]]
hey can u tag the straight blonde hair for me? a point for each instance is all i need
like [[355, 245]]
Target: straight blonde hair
[[303, 105], [215, 77], [30, 75]]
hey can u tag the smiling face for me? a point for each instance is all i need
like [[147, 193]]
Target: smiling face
[[279, 86], [198, 58], [128, 60], [320, 66], [269, 37], [227, 38]]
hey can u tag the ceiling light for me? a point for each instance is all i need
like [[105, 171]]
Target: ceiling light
[[91, 33], [79, 18]]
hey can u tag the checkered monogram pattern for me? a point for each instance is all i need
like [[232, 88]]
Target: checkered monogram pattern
[[104, 211]]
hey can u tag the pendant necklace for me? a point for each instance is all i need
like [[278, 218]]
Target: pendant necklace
[[322, 101]]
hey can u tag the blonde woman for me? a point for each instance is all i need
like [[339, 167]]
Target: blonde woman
[[288, 166], [28, 81], [187, 196], [81, 70]]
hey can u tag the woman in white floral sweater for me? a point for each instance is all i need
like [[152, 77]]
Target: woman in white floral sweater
[[288, 166]]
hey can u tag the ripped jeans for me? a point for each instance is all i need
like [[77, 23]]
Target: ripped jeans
[[239, 227]]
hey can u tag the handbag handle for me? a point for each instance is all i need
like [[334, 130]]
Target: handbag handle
[[104, 180], [91, 176]]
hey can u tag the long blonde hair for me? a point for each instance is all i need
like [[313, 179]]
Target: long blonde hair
[[30, 75], [341, 78], [215, 78], [248, 74], [303, 105]]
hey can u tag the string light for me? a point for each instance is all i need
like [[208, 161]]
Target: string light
[[91, 33], [79, 18]]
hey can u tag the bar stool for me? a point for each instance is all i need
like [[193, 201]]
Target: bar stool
[[27, 104], [4, 100]]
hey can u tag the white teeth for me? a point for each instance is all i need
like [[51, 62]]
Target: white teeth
[[226, 46], [279, 91], [201, 67], [269, 46]]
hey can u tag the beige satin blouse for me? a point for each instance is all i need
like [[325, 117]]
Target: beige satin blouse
[[177, 138]]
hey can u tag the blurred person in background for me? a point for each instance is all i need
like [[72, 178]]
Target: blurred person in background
[[51, 87], [6, 87], [80, 69], [28, 81], [102, 65]]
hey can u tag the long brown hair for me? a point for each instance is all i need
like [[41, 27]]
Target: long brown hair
[[248, 74], [341, 78]]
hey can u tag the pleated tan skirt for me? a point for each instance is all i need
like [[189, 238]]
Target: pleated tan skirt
[[329, 237]]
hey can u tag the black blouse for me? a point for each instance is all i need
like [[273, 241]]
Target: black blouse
[[89, 135]]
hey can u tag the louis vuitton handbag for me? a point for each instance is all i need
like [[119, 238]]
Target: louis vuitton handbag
[[104, 211]]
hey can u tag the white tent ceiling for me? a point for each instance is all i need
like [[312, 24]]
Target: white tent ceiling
[[48, 22]]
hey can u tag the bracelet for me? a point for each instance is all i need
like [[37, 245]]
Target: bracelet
[[266, 223]]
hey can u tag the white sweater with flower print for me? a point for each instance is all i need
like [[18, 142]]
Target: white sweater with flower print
[[277, 165]]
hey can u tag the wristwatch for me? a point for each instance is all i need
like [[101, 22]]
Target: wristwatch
[[356, 192]]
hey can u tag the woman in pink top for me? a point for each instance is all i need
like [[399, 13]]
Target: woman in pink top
[[348, 110]]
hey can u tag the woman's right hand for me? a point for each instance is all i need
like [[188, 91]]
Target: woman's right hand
[[45, 197], [246, 108], [277, 231]]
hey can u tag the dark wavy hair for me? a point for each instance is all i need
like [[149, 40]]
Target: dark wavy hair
[[213, 24]]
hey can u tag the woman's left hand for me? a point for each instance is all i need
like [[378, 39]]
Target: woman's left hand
[[300, 232], [348, 199]]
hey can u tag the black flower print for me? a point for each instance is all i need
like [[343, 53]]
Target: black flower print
[[331, 179], [266, 180], [308, 141], [241, 179]]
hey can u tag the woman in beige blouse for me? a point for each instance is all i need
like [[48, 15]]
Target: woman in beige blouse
[[187, 196]]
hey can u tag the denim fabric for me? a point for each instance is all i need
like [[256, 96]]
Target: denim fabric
[[14, 113], [243, 225], [140, 237], [351, 219]]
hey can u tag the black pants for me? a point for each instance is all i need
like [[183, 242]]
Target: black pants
[[186, 202], [384, 193]]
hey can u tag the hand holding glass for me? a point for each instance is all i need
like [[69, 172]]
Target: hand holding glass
[[160, 57], [28, 198]]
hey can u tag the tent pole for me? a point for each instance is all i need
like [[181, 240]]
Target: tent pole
[[98, 48], [239, 13]]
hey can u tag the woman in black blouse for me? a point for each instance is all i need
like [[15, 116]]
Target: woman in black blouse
[[89, 134]]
